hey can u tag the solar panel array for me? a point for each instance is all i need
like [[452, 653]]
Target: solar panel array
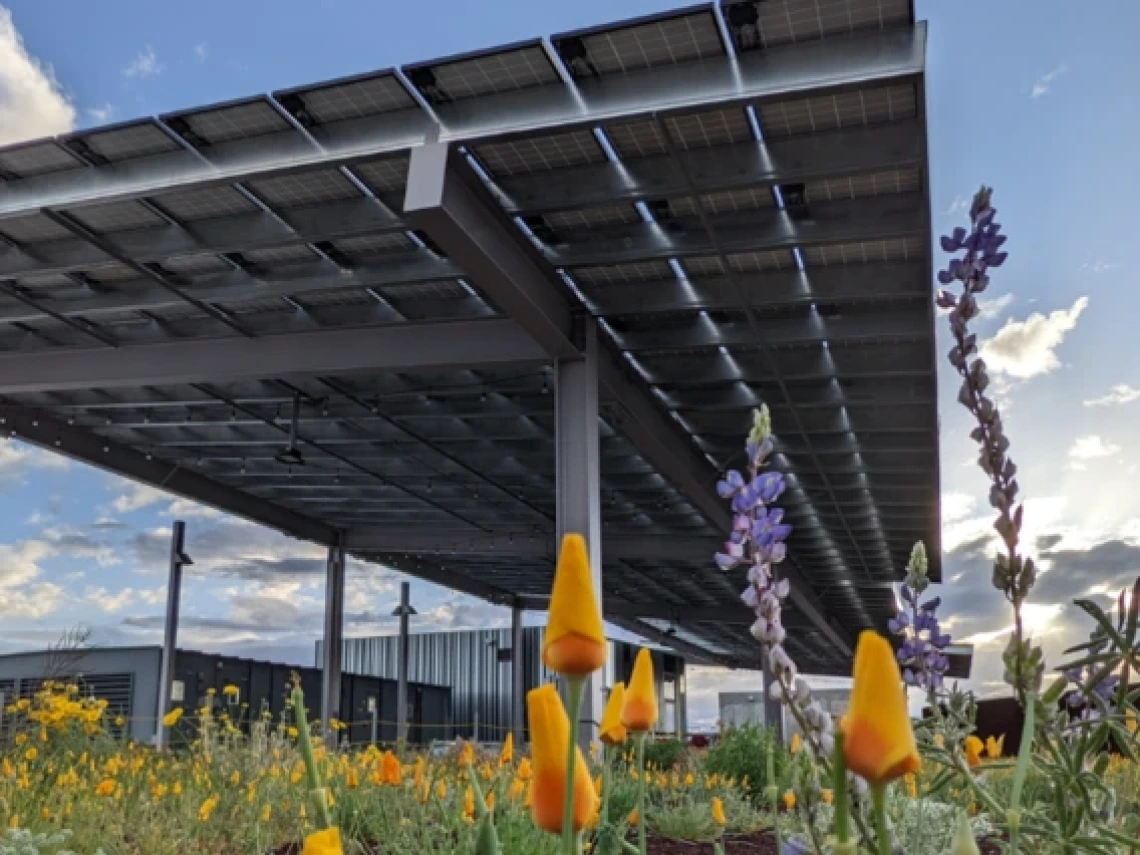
[[721, 287]]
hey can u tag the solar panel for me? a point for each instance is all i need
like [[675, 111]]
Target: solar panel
[[33, 229], [609, 274], [896, 249], [233, 122], [52, 286], [117, 217], [194, 264], [353, 99], [772, 23], [258, 306], [437, 289], [206, 204], [37, 158], [842, 110], [298, 189], [138, 140], [370, 246], [739, 262], [643, 43], [724, 202], [592, 218], [483, 74], [279, 256], [857, 186], [386, 177], [539, 154], [694, 131], [338, 297], [112, 273]]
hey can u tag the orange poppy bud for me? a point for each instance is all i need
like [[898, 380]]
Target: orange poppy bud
[[639, 713], [550, 735], [612, 731], [575, 641]]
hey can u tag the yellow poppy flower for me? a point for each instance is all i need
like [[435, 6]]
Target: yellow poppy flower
[[994, 747], [639, 713], [797, 744], [172, 718], [550, 734], [575, 640], [524, 772], [326, 842], [789, 800], [718, 812], [879, 744], [507, 755], [826, 795]]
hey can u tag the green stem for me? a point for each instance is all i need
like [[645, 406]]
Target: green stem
[[879, 807], [574, 686], [1013, 814], [305, 744], [840, 795], [642, 845], [607, 759]]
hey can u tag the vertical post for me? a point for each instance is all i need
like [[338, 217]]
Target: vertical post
[[405, 611], [518, 683], [578, 472], [332, 649], [178, 558]]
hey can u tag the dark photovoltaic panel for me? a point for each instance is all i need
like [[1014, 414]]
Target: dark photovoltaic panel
[[693, 131], [782, 22], [867, 251], [739, 262], [298, 189], [842, 110], [539, 154], [353, 99], [233, 122], [33, 228], [619, 273], [724, 202], [206, 204], [483, 74], [386, 176], [641, 44], [117, 217], [38, 158], [112, 273], [138, 140], [856, 186], [196, 264], [280, 256], [592, 218], [442, 289], [370, 246]]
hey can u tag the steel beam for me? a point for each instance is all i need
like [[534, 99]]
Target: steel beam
[[692, 652], [578, 484], [332, 649], [41, 428], [396, 347], [518, 676], [871, 58], [178, 559], [404, 613]]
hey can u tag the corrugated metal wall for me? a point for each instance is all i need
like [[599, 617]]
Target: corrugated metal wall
[[469, 662]]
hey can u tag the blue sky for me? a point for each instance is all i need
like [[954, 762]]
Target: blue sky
[[1035, 99]]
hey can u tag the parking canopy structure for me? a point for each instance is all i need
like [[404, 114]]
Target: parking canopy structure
[[435, 316]]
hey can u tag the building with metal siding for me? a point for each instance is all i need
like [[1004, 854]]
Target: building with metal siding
[[128, 678], [477, 666]]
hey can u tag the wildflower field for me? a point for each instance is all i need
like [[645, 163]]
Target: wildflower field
[[875, 781]]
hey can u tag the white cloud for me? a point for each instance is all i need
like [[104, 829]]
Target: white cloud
[[146, 64], [32, 104], [957, 506], [990, 309], [960, 205], [201, 51], [1119, 394], [21, 596], [136, 497], [184, 508], [16, 459], [1024, 349], [1045, 81], [1091, 447], [101, 115], [1100, 266], [107, 602]]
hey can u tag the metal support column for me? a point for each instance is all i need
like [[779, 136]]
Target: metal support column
[[178, 559], [518, 683], [332, 650], [579, 507], [404, 611]]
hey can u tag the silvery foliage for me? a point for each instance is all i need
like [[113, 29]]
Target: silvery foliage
[[21, 841]]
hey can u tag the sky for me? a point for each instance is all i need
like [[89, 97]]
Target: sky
[[1041, 106]]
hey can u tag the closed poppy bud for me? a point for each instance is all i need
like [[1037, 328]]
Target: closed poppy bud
[[612, 731], [575, 642], [879, 741], [973, 747], [718, 812], [639, 712], [995, 747], [550, 735]]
